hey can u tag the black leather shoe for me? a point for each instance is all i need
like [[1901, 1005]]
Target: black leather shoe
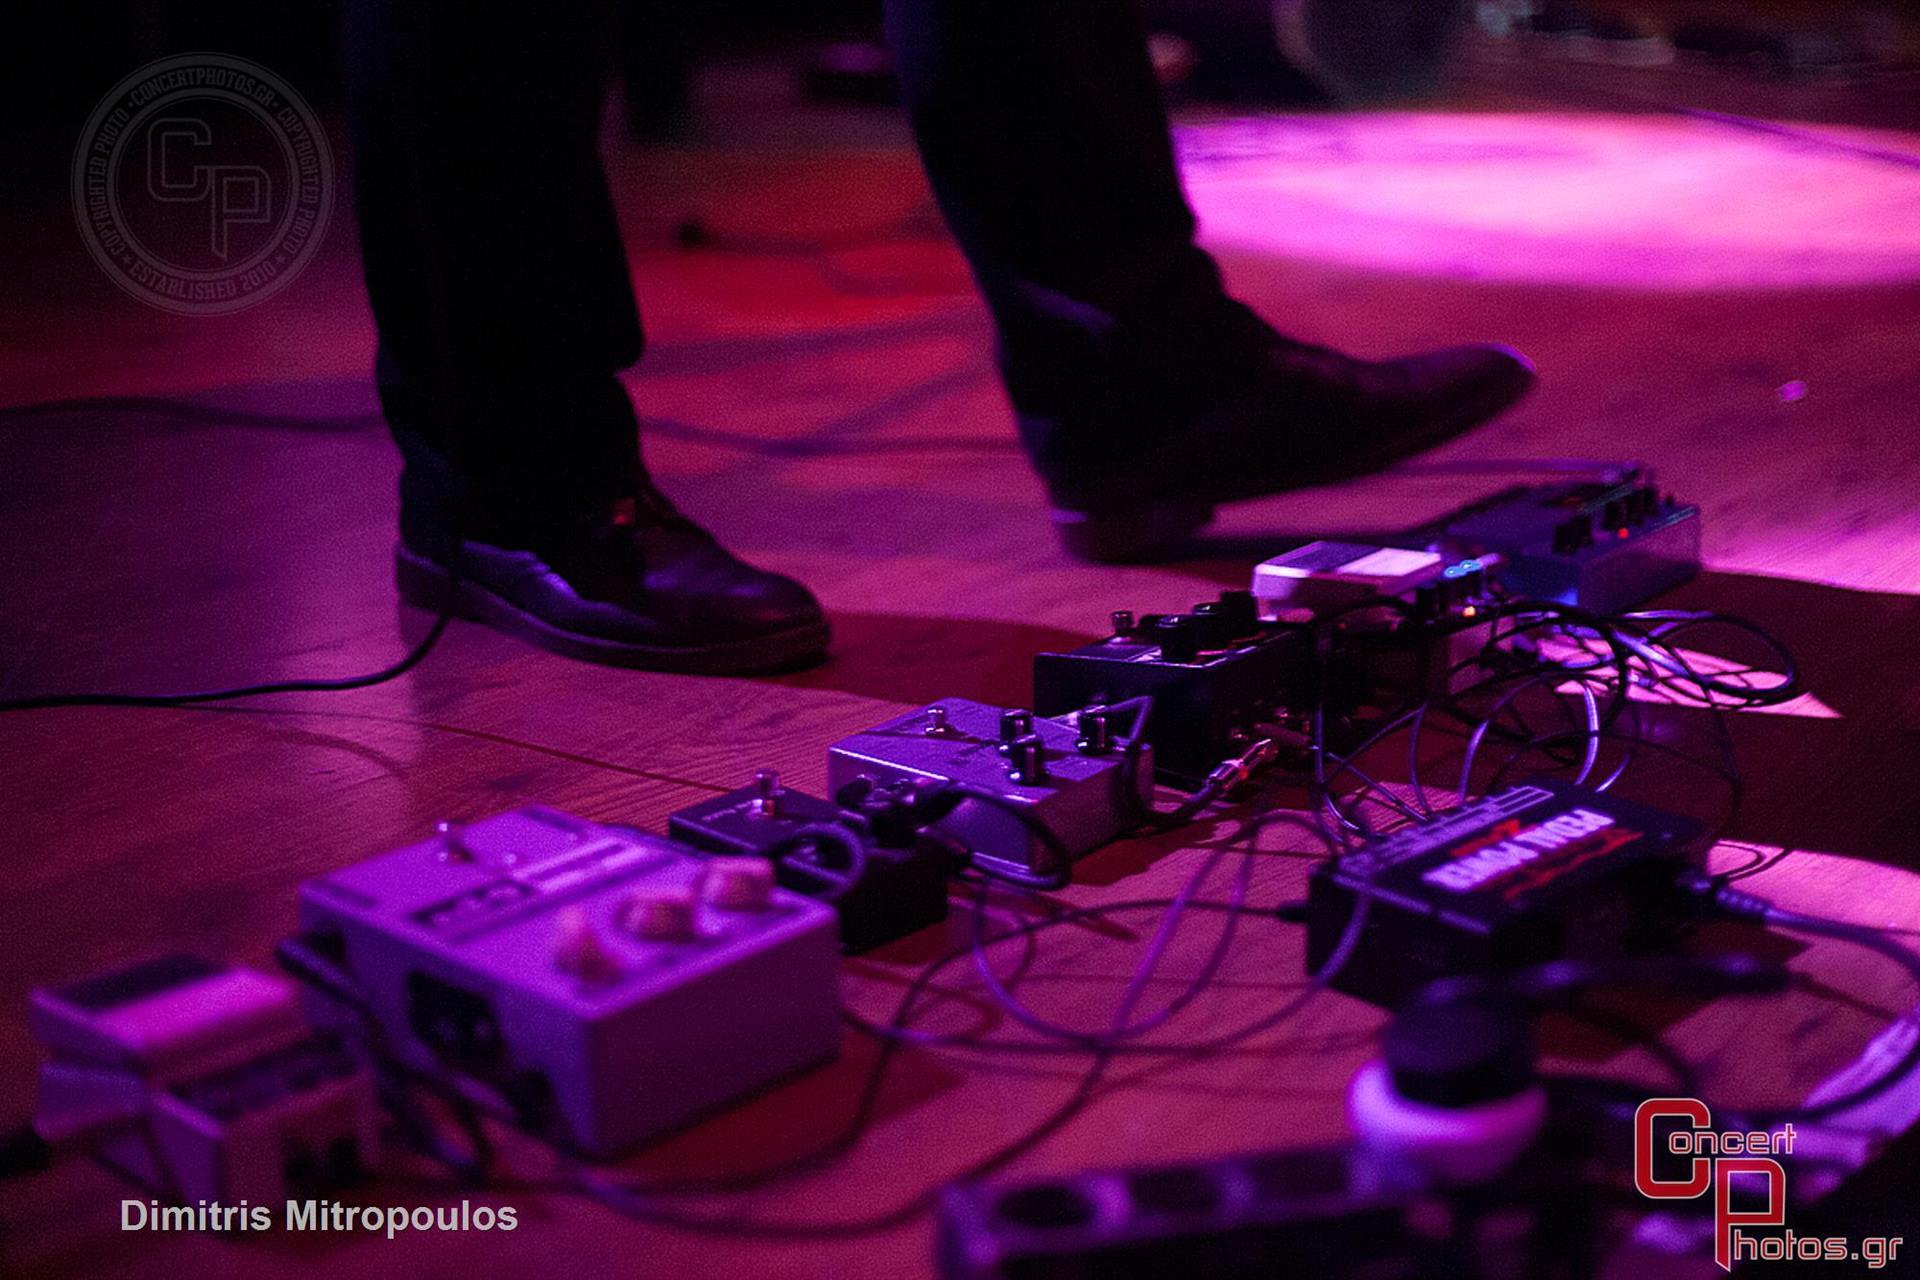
[[633, 584], [1245, 414]]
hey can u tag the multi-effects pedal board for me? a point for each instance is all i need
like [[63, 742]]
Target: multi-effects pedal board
[[599, 986], [1342, 626]]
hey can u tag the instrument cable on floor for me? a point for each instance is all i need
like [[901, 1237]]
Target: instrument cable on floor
[[338, 684]]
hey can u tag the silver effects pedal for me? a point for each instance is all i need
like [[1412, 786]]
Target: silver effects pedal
[[594, 984], [1075, 774]]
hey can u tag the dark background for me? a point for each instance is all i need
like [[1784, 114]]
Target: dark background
[[57, 57]]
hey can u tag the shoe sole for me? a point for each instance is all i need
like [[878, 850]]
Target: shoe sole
[[1150, 529], [425, 585]]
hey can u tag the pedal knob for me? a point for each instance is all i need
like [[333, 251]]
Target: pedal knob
[[766, 795], [1174, 633], [1211, 627], [451, 849], [579, 950], [1096, 732], [740, 884], [1027, 761], [1241, 611], [659, 915], [1014, 725]]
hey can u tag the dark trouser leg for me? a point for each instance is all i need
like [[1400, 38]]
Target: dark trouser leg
[[1045, 138], [657, 42], [492, 256], [1145, 395]]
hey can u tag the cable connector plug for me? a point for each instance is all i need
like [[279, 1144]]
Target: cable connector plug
[[1226, 776], [1714, 892], [1229, 774]]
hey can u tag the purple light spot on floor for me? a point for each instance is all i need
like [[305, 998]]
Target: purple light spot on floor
[[1634, 201]]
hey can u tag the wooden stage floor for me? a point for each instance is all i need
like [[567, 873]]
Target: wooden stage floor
[[835, 416]]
